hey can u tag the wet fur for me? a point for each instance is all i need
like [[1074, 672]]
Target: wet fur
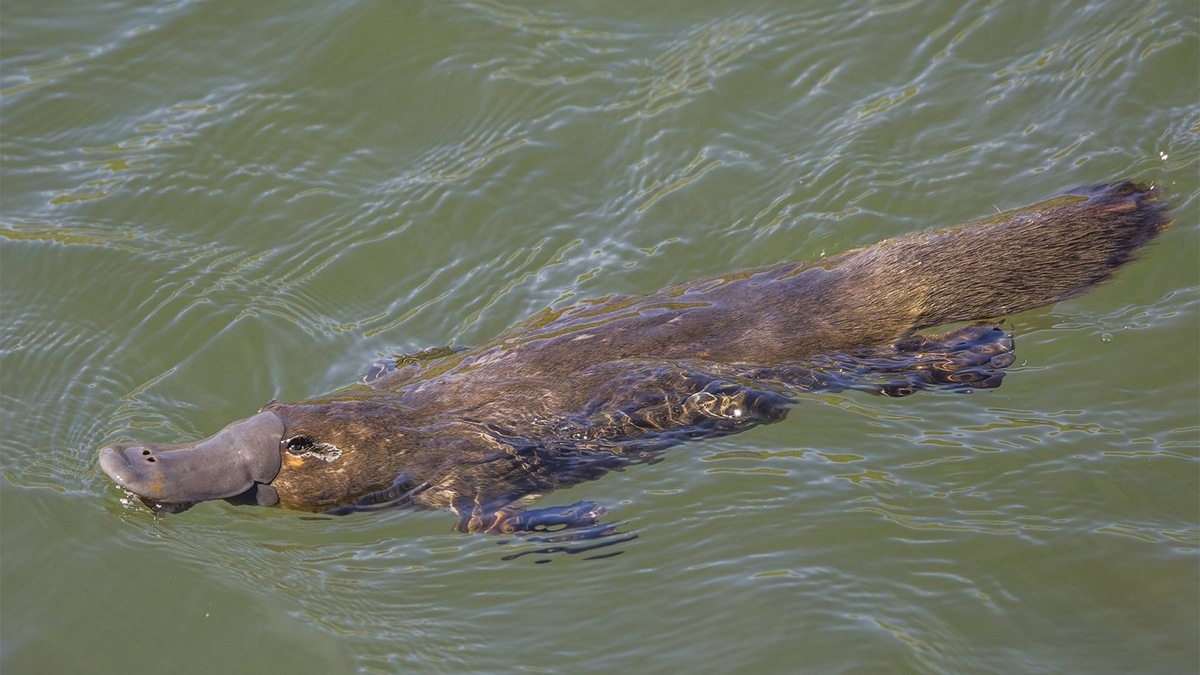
[[578, 391]]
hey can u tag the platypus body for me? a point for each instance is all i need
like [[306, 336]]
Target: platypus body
[[578, 391]]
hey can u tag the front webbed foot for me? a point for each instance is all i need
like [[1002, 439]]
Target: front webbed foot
[[512, 519], [379, 369], [551, 519], [384, 367], [572, 529]]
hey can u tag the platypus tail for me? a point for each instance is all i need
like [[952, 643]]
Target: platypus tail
[[1013, 261]]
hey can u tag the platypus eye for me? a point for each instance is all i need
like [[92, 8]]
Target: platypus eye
[[299, 444], [306, 446]]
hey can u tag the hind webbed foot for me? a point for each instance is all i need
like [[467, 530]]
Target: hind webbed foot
[[962, 360]]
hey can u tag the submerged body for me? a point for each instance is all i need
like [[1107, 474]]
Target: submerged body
[[575, 392]]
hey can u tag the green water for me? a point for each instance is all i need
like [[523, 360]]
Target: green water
[[207, 205]]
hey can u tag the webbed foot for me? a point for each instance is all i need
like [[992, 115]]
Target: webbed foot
[[574, 529], [963, 359], [512, 519], [552, 519], [384, 367], [971, 357]]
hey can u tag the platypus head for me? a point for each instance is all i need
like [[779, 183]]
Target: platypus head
[[239, 461], [309, 456]]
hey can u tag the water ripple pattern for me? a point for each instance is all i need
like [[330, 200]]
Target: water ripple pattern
[[204, 206]]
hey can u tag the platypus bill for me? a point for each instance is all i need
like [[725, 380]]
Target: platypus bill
[[575, 392]]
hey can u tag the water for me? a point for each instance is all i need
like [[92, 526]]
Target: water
[[208, 205]]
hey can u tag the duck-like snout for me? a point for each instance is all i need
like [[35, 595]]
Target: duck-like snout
[[239, 457]]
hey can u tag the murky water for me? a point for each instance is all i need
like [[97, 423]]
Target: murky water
[[208, 205]]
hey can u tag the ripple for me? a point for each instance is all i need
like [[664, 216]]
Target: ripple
[[1094, 55], [205, 206]]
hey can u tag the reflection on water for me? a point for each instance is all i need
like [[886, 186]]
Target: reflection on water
[[205, 208]]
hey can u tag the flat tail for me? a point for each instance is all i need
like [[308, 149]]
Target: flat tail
[[1134, 212], [1029, 257]]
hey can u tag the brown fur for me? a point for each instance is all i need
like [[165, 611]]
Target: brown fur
[[574, 392]]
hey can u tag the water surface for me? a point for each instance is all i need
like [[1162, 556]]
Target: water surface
[[207, 205]]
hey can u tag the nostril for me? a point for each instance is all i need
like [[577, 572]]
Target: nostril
[[151, 459], [145, 452]]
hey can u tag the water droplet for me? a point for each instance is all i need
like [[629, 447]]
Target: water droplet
[[1106, 337]]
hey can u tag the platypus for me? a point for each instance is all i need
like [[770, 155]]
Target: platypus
[[577, 391]]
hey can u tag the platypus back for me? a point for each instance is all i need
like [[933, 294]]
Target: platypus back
[[1011, 262]]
